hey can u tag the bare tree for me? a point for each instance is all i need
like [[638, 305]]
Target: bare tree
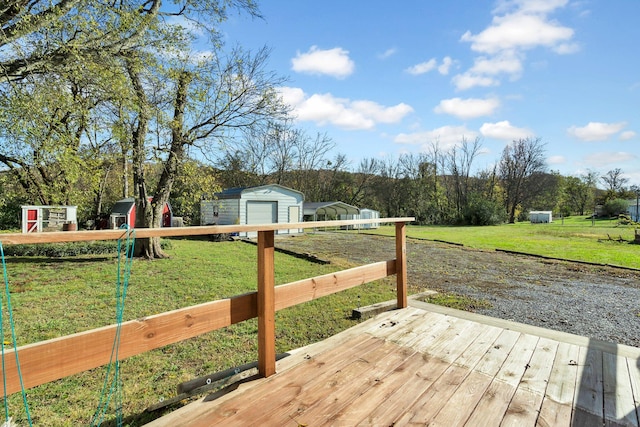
[[520, 161], [459, 162], [615, 182]]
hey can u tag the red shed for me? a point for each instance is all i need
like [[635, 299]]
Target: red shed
[[124, 212]]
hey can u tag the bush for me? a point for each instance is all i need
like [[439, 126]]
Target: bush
[[616, 207], [70, 249], [57, 250], [480, 211]]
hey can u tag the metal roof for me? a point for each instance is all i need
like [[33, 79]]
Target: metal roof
[[329, 208], [236, 192], [123, 206]]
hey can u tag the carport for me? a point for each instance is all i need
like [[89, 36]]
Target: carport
[[324, 211]]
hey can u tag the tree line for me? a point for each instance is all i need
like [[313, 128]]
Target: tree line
[[436, 187]]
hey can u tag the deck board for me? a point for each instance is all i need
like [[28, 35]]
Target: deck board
[[417, 367]]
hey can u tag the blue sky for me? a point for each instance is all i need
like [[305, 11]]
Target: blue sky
[[383, 78]]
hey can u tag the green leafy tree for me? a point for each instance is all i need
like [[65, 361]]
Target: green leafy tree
[[578, 193], [212, 100], [482, 211], [194, 180]]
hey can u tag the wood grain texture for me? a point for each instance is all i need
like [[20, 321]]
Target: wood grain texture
[[266, 304], [486, 376], [401, 264]]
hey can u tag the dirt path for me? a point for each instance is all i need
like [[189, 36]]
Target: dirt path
[[597, 302]]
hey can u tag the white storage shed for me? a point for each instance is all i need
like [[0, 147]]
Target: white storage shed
[[265, 204], [540, 217], [49, 218], [364, 214]]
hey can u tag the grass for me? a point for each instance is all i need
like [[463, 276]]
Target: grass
[[575, 238], [459, 302], [56, 297]]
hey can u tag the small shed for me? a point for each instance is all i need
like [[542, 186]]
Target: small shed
[[369, 214], [540, 217], [124, 212], [634, 209], [264, 204], [326, 211], [38, 218], [364, 214]]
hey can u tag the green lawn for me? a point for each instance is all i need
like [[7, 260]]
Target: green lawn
[[56, 297], [575, 238]]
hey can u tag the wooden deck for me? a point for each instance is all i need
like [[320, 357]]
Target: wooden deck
[[431, 365]]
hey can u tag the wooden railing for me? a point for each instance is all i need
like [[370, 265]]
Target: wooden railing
[[57, 358]]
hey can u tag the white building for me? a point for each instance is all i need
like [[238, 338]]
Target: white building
[[540, 217], [265, 204]]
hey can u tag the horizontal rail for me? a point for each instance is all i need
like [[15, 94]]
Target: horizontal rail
[[50, 360], [203, 230]]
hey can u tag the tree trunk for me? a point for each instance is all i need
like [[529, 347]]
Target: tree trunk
[[145, 218]]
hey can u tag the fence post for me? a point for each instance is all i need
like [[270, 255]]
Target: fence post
[[401, 264], [266, 304]]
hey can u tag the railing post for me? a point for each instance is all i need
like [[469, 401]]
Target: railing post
[[266, 305], [401, 264]]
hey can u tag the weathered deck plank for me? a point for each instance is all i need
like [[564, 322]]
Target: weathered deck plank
[[617, 392], [412, 367], [526, 403], [557, 405]]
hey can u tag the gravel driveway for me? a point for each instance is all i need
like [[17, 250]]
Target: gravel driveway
[[593, 301]]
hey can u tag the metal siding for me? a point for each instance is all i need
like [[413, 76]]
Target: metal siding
[[261, 212], [281, 196], [228, 212]]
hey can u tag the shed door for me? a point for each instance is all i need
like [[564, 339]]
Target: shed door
[[32, 220], [294, 216], [261, 213]]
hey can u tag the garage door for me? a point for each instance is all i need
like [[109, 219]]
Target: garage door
[[261, 213]]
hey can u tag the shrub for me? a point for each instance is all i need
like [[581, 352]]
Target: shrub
[[481, 211], [57, 250], [69, 249], [616, 207]]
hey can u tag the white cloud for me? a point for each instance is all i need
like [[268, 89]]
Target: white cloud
[[627, 135], [446, 137], [423, 67], [501, 64], [517, 26], [596, 131], [504, 130], [556, 160], [333, 62], [325, 109], [518, 31], [387, 53], [467, 81], [445, 66], [566, 48], [470, 108], [432, 64], [608, 158]]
